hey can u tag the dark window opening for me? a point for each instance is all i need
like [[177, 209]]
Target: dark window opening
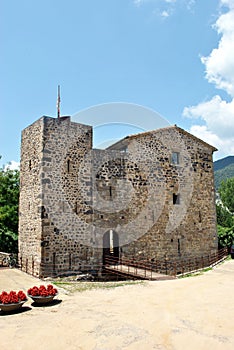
[[70, 261], [179, 247], [176, 198], [110, 191], [43, 213], [200, 217], [30, 164], [68, 165]]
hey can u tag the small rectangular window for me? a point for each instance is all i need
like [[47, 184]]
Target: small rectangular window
[[176, 198], [175, 158], [200, 216], [68, 165]]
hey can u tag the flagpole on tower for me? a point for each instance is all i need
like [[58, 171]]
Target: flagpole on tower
[[58, 102]]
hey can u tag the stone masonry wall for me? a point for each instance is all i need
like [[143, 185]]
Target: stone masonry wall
[[30, 202], [184, 229], [154, 190], [64, 233]]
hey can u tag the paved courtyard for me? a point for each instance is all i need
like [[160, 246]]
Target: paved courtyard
[[191, 313]]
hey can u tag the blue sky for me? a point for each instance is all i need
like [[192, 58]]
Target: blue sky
[[173, 56]]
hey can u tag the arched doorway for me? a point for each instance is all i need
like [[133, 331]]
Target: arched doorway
[[110, 245]]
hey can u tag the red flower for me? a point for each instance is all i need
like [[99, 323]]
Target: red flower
[[21, 295], [42, 291], [12, 297]]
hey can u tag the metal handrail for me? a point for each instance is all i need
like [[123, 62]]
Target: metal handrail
[[167, 267], [135, 267]]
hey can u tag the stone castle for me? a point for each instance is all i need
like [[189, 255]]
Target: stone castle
[[149, 196]]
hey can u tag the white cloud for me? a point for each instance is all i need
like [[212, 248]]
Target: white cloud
[[165, 14], [217, 113], [229, 3], [220, 63], [225, 146], [12, 165]]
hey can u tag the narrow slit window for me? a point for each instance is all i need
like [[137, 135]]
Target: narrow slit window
[[176, 199], [178, 246], [175, 158], [110, 191], [70, 261], [200, 216], [68, 165]]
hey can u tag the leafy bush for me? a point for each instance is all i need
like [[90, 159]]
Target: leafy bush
[[224, 217], [225, 236], [9, 198], [226, 191]]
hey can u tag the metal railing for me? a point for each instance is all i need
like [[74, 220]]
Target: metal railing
[[151, 269], [147, 269]]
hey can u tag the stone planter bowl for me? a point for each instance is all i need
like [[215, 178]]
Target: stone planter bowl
[[42, 300], [12, 307]]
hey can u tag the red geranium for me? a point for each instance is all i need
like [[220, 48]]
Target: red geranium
[[42, 291], [12, 297]]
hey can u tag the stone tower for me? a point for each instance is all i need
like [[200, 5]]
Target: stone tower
[[149, 196]]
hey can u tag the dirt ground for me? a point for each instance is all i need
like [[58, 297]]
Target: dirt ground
[[191, 313]]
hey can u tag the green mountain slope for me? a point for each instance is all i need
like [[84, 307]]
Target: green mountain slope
[[223, 163], [223, 169]]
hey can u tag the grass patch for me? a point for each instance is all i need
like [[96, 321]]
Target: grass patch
[[197, 273], [79, 286], [228, 257]]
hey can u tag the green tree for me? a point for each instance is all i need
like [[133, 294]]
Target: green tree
[[9, 199], [226, 191], [224, 217], [225, 236]]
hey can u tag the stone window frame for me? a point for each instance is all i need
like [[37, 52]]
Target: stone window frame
[[178, 158]]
